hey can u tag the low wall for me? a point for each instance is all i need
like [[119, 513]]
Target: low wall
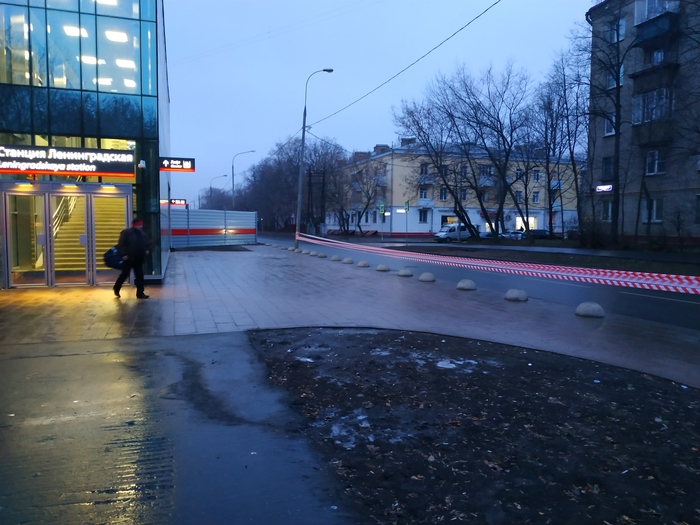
[[193, 228]]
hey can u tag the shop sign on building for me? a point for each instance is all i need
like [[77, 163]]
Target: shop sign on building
[[66, 162], [176, 164]]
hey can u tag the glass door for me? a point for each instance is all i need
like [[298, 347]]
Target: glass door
[[110, 217], [27, 240], [68, 224]]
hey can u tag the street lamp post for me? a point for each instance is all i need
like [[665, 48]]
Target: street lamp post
[[301, 159], [211, 201], [233, 178]]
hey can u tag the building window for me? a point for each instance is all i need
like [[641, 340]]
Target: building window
[[423, 216], [374, 216], [352, 218], [616, 30], [485, 171], [443, 194], [367, 217], [655, 57], [615, 82], [536, 175], [423, 193], [609, 128], [608, 169], [464, 171], [445, 170], [656, 162], [697, 209], [423, 169], [648, 9], [535, 197], [606, 210], [518, 174], [463, 194], [649, 106], [654, 210], [518, 196]]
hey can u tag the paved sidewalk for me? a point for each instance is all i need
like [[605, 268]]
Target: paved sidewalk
[[159, 411], [208, 292]]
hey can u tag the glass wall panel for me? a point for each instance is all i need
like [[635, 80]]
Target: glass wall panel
[[121, 8], [14, 45], [17, 2], [14, 104], [40, 111], [88, 53], [118, 46], [64, 33], [87, 6], [37, 3], [38, 44], [90, 113], [120, 115], [65, 5], [15, 138], [150, 117], [148, 10], [149, 59], [66, 142], [64, 112]]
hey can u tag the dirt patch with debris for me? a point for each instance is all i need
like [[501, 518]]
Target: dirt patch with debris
[[423, 428]]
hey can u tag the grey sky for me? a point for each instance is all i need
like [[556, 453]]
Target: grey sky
[[238, 67]]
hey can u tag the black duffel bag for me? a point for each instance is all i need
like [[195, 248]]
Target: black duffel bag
[[113, 259]]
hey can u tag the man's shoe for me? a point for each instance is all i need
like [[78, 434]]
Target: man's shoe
[[116, 291], [142, 296]]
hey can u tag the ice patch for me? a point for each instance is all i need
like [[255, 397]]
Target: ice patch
[[446, 364], [379, 351], [304, 359]]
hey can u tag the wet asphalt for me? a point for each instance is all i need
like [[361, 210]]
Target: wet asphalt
[[159, 412]]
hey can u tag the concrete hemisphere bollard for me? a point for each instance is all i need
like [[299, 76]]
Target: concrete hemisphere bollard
[[274, 246], [516, 295], [427, 277], [313, 254], [466, 284], [405, 272], [382, 268], [590, 309], [348, 260], [335, 258], [321, 255], [363, 264], [298, 250], [305, 252]]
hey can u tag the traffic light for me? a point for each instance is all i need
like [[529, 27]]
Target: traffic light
[[381, 209]]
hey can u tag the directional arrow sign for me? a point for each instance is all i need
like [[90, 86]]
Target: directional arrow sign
[[176, 164]]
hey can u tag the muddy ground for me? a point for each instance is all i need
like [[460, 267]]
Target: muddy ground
[[423, 428]]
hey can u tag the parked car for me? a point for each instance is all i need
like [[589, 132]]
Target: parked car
[[448, 233], [537, 234], [515, 235], [490, 235]]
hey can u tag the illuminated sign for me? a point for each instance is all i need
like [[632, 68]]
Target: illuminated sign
[[604, 189], [176, 164], [178, 202], [65, 162]]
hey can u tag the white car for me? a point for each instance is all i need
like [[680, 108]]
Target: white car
[[516, 235]]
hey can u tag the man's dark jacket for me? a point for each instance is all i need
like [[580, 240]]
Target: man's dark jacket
[[134, 243]]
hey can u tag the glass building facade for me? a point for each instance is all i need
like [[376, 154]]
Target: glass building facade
[[90, 74]]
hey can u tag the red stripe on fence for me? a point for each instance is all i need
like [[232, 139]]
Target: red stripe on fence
[[213, 231]]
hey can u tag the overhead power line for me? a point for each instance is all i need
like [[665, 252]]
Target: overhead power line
[[412, 63]]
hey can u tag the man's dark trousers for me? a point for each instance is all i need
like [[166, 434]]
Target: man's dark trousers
[[138, 276]]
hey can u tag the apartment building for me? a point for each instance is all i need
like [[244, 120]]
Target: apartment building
[[644, 140], [397, 191]]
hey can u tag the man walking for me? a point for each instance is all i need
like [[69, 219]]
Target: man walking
[[133, 246]]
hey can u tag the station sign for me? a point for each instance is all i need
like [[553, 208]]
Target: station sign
[[176, 164], [178, 202], [16, 159]]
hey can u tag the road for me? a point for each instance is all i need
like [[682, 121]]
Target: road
[[675, 309]]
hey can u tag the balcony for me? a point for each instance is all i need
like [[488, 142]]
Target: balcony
[[555, 185], [654, 132], [658, 30], [426, 203], [426, 180]]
